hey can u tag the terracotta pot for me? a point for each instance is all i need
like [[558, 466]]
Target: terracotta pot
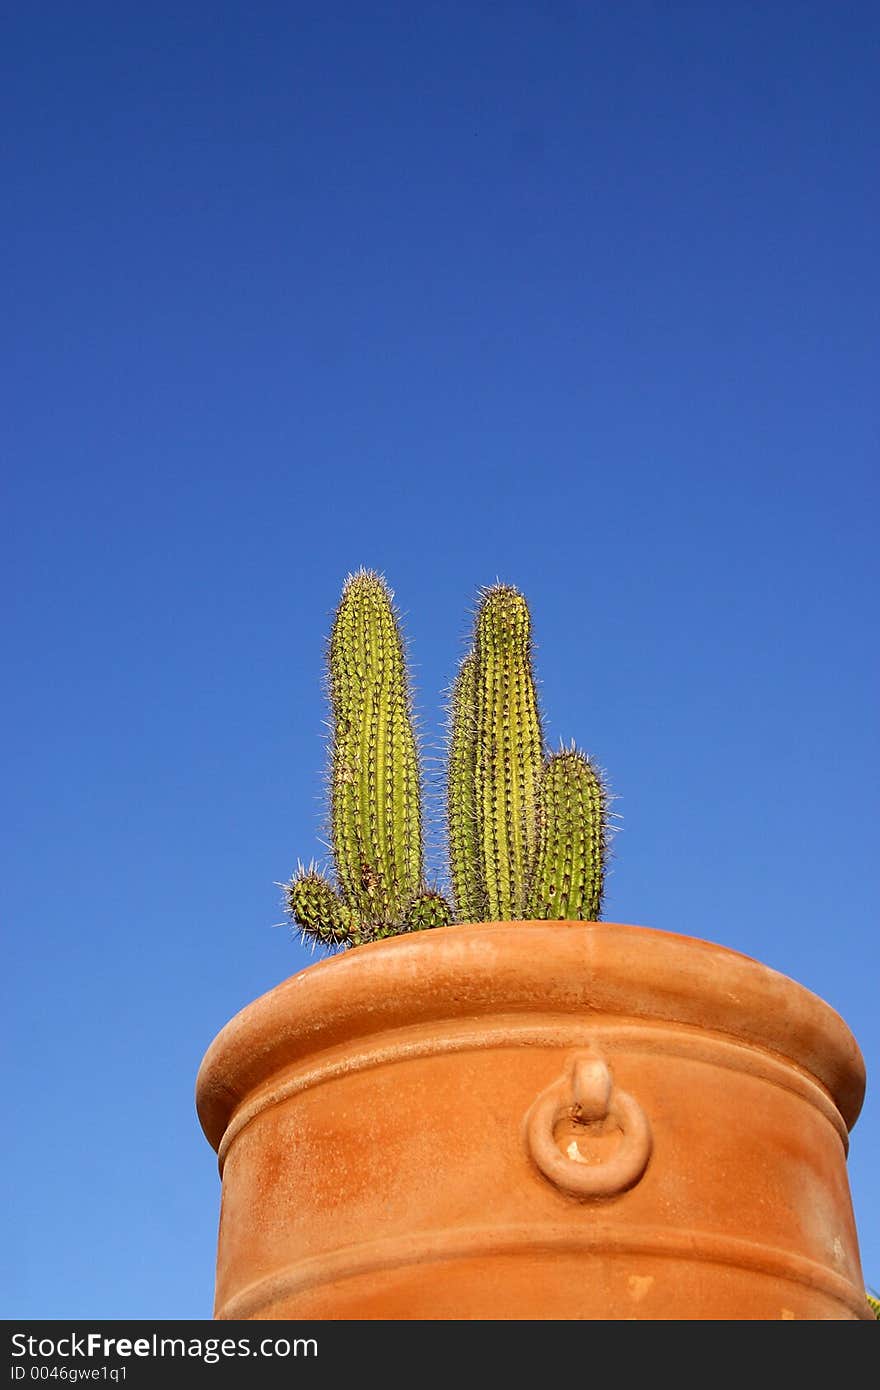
[[535, 1120]]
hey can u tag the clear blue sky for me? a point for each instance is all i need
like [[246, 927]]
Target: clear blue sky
[[579, 296]]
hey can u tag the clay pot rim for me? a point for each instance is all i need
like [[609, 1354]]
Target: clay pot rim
[[578, 970]]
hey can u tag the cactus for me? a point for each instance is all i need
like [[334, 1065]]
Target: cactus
[[468, 889], [495, 754], [527, 832], [316, 907], [509, 749], [428, 909], [375, 812], [375, 792], [569, 861]]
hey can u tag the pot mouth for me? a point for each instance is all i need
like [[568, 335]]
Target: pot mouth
[[568, 972]]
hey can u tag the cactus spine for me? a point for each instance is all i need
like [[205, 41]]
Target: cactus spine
[[375, 794], [527, 833]]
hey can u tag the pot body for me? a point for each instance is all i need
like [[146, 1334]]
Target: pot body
[[535, 1121]]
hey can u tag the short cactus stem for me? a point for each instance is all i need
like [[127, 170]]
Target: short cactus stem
[[428, 909], [318, 911], [509, 751], [570, 861]]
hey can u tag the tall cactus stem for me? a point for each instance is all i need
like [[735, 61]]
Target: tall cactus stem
[[375, 805], [468, 885], [509, 750]]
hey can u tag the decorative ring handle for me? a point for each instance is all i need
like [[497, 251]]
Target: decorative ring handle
[[587, 1095]]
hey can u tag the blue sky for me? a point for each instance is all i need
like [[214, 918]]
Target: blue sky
[[582, 297]]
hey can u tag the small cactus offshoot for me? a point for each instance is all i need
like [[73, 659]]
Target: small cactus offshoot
[[317, 908]]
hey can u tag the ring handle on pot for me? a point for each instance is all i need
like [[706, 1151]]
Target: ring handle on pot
[[588, 1095]]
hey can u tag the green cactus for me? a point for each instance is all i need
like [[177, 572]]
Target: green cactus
[[428, 909], [509, 749], [375, 812], [494, 763], [570, 858], [527, 834], [375, 792], [526, 831], [468, 883], [316, 907]]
